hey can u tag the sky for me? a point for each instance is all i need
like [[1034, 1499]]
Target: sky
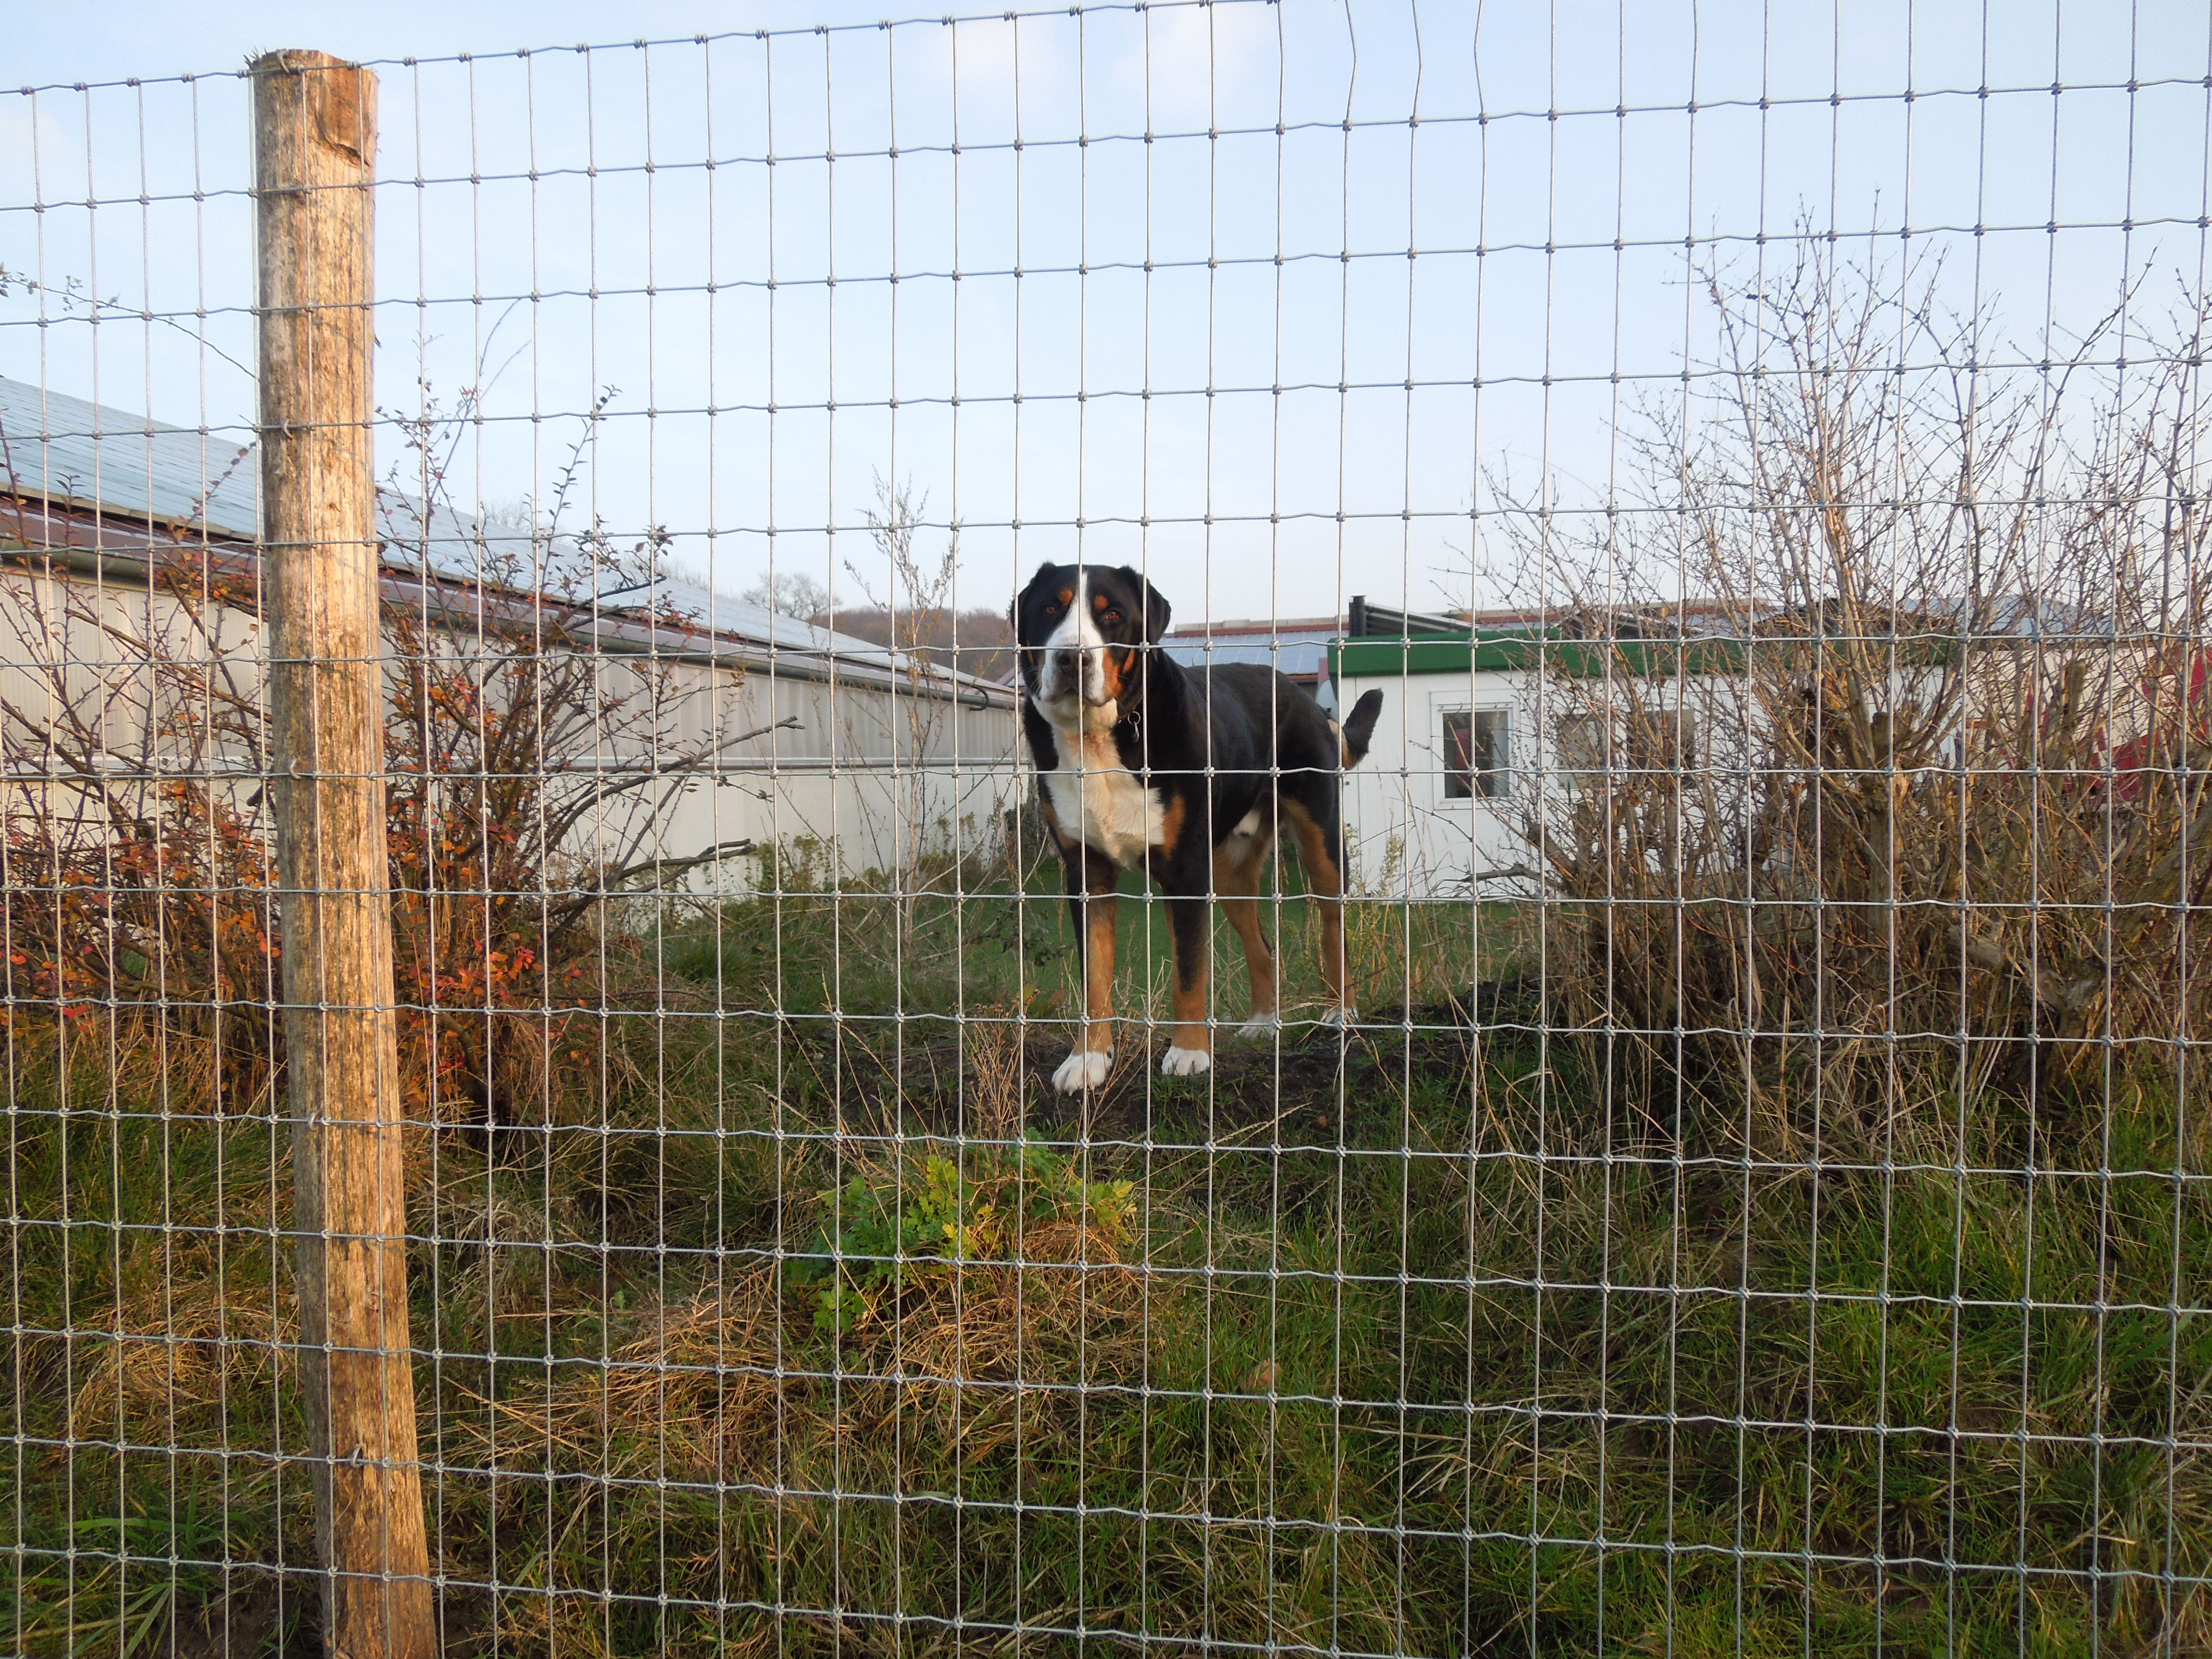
[[1252, 296]]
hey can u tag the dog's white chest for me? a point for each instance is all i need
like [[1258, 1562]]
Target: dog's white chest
[[1100, 800]]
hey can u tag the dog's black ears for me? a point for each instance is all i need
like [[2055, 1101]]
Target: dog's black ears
[[1014, 610], [1036, 582], [1156, 605]]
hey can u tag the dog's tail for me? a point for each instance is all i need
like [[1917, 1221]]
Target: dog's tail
[[1354, 735]]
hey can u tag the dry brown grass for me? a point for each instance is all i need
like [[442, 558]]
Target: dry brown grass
[[732, 1387], [738, 1391], [992, 1097], [178, 1349]]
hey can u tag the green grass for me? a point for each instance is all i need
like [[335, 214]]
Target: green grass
[[963, 944], [1430, 1355]]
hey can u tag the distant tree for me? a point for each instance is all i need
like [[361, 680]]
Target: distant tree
[[790, 594], [979, 641], [916, 613], [912, 615], [511, 512]]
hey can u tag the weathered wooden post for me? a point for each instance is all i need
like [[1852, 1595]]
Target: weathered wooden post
[[314, 128]]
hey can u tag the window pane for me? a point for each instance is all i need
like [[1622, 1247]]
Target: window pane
[[1478, 753], [1582, 750], [1459, 764], [1493, 755]]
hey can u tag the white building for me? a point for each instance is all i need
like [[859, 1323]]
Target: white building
[[1475, 736], [719, 725], [1485, 732]]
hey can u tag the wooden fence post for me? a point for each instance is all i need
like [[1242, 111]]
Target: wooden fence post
[[314, 131]]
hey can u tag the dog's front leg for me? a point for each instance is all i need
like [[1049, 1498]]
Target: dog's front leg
[[1091, 878], [1237, 879], [1190, 1048]]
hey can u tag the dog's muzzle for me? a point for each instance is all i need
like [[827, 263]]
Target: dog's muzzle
[[1074, 673]]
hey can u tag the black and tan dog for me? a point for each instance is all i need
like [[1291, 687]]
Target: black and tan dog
[[1182, 774]]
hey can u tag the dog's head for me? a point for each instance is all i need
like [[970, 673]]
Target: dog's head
[[1081, 633]]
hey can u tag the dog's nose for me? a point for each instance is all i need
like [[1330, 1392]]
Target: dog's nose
[[1067, 665]]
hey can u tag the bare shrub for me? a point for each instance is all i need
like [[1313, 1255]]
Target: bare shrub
[[533, 697], [928, 850], [138, 874], [1909, 805]]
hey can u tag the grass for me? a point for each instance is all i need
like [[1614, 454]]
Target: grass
[[953, 944], [806, 1328]]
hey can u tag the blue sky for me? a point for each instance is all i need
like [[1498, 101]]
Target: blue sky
[[1093, 343]]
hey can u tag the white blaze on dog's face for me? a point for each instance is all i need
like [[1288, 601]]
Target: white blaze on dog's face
[[1072, 692], [1081, 633]]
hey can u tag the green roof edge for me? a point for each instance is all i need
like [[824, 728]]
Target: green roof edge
[[1501, 653]]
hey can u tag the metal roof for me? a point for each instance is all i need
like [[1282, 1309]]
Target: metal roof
[[89, 455], [1296, 657], [104, 460]]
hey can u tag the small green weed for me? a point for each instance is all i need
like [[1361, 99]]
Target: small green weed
[[927, 1213]]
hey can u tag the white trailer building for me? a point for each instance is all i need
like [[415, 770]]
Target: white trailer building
[[795, 733]]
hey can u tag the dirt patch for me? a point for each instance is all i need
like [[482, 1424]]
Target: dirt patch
[[1306, 1082]]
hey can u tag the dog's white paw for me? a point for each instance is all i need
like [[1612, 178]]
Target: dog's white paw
[[1260, 1028], [1343, 1017], [1186, 1062], [1086, 1068]]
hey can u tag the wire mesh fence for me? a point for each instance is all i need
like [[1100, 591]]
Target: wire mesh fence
[[1647, 565]]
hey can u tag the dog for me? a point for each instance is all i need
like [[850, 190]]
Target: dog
[[1183, 775]]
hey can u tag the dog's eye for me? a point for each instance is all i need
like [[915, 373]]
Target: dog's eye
[[1113, 617]]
